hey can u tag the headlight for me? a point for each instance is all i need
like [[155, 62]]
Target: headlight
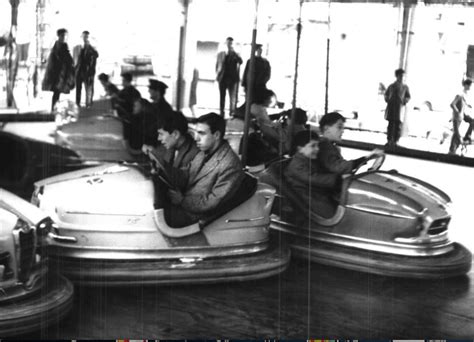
[[46, 226]]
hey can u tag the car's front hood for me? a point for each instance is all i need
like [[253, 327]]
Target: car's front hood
[[397, 195], [111, 189]]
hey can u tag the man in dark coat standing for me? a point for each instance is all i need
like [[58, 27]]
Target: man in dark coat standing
[[262, 73], [59, 76], [228, 75], [85, 70], [397, 96]]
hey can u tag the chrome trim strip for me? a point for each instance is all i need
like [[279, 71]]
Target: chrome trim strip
[[379, 212], [114, 254], [245, 220], [62, 238], [108, 214]]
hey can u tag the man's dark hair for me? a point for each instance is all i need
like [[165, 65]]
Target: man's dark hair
[[127, 76], [262, 96], [170, 122], [61, 31], [300, 116], [230, 39], [304, 137], [214, 121], [467, 82], [330, 119], [85, 32], [399, 72], [103, 77]]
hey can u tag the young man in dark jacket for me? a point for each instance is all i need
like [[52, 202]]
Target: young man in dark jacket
[[85, 70]]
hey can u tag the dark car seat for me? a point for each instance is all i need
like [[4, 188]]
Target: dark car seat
[[274, 175], [247, 189]]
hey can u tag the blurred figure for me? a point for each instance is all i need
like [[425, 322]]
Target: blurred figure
[[59, 76], [396, 96], [110, 89], [85, 70], [126, 97], [160, 109], [262, 72], [459, 106], [228, 75]]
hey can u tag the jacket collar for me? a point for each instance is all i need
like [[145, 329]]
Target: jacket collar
[[206, 167]]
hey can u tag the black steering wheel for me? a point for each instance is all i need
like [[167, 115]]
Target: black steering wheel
[[378, 160], [160, 169]]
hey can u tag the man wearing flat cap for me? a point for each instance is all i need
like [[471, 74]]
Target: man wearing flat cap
[[160, 108]]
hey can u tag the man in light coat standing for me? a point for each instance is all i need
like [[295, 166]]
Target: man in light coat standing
[[228, 75]]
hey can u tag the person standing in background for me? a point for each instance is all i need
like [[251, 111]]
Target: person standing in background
[[459, 106], [59, 76], [396, 96], [228, 75], [262, 73], [85, 70]]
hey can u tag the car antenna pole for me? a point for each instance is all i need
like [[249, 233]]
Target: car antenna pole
[[248, 96], [295, 80]]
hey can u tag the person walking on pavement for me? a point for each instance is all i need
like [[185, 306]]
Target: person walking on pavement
[[396, 96], [59, 75], [262, 73], [459, 106], [85, 70], [228, 75]]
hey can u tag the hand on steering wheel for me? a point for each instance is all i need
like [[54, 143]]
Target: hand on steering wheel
[[378, 159]]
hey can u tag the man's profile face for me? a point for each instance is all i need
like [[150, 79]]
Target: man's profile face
[[229, 44], [168, 140], [205, 139]]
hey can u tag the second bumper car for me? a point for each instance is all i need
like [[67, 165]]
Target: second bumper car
[[107, 233], [387, 223]]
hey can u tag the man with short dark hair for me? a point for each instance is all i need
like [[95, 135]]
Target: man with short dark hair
[[397, 96], [211, 179], [109, 88], [85, 70], [261, 75], [228, 75]]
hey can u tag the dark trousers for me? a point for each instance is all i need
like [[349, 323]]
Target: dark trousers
[[231, 87], [456, 138], [470, 121], [56, 94], [89, 86], [393, 131]]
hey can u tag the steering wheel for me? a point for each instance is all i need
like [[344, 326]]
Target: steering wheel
[[162, 172], [378, 160]]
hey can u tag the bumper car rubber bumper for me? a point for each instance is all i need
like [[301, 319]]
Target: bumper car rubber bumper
[[93, 272], [455, 263], [39, 310]]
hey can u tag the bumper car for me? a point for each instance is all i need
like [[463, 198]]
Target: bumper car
[[30, 298], [386, 223], [108, 234], [25, 161]]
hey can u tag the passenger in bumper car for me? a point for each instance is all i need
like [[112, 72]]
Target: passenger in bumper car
[[211, 180], [329, 157], [306, 179]]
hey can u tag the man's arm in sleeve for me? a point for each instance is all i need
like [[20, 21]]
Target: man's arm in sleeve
[[301, 173], [333, 161]]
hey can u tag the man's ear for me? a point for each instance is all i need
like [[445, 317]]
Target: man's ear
[[176, 134], [217, 135]]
